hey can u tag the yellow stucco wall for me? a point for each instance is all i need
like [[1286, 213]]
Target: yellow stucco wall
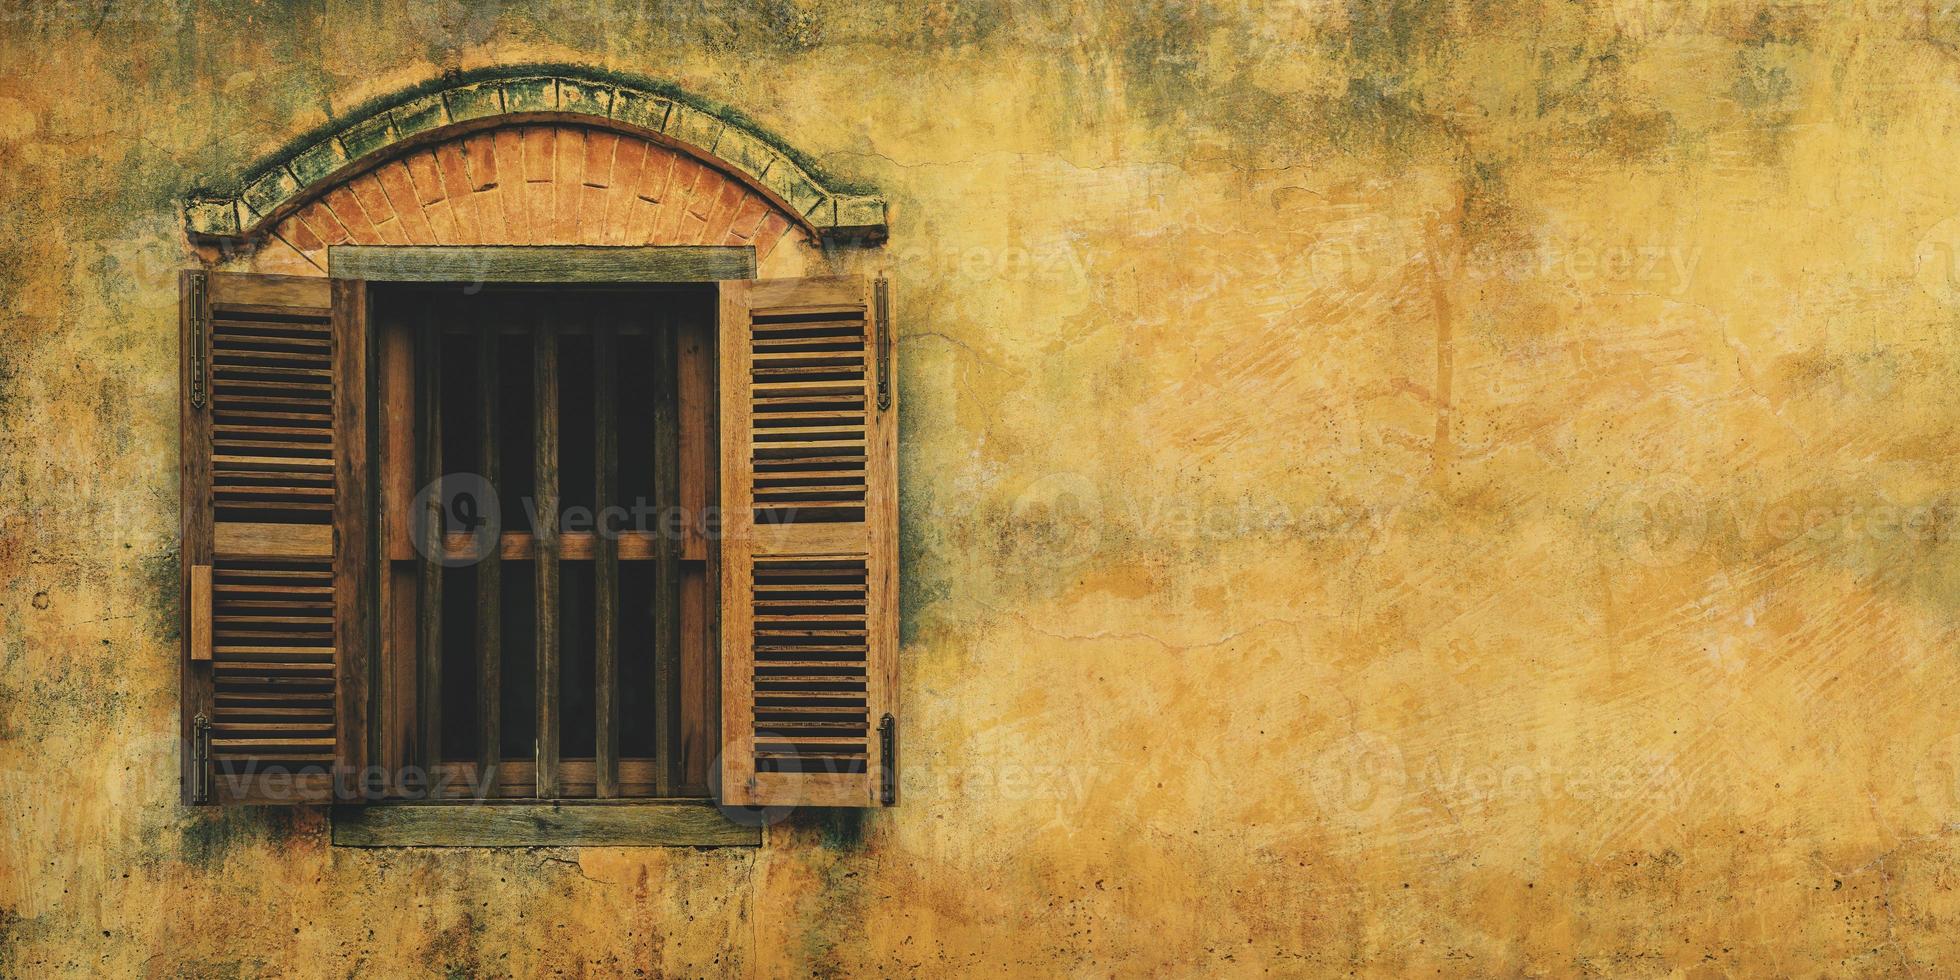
[[1391, 486]]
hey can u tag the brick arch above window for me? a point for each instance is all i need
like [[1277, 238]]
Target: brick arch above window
[[490, 134], [543, 184]]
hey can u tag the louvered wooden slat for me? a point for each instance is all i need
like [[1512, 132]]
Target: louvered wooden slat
[[809, 713], [272, 439], [272, 662], [807, 402], [808, 589], [272, 423]]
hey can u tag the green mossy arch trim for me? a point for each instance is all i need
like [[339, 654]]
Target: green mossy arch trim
[[379, 129]]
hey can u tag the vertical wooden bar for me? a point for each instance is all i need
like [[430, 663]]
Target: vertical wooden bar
[[735, 611], [544, 367], [489, 572], [397, 405], [353, 566], [194, 481], [667, 551], [712, 574], [428, 701], [696, 393], [396, 408], [881, 520], [605, 555], [694, 387]]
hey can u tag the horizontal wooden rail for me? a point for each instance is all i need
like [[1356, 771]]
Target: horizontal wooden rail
[[581, 264], [572, 546], [614, 823]]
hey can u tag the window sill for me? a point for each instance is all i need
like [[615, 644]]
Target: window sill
[[577, 823]]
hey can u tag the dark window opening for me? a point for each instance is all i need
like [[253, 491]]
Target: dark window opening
[[626, 391]]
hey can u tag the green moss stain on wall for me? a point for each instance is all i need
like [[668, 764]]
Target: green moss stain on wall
[[1389, 486]]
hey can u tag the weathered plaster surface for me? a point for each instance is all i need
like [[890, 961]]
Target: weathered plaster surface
[[1390, 486]]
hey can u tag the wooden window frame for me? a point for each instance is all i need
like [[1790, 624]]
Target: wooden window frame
[[550, 821], [797, 389]]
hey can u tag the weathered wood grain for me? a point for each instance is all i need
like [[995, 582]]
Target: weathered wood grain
[[393, 730], [235, 539], [428, 706], [542, 263], [572, 546], [605, 559], [544, 378], [353, 554], [489, 570], [194, 483], [200, 612], [595, 824], [667, 568]]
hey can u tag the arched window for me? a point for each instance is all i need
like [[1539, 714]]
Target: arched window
[[507, 475]]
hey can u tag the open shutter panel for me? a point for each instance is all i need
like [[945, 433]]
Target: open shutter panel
[[809, 600], [275, 541]]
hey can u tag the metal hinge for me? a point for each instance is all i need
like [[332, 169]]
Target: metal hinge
[[881, 297], [198, 325], [888, 751], [201, 759]]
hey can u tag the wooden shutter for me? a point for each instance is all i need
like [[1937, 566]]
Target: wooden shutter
[[275, 536], [809, 570]]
